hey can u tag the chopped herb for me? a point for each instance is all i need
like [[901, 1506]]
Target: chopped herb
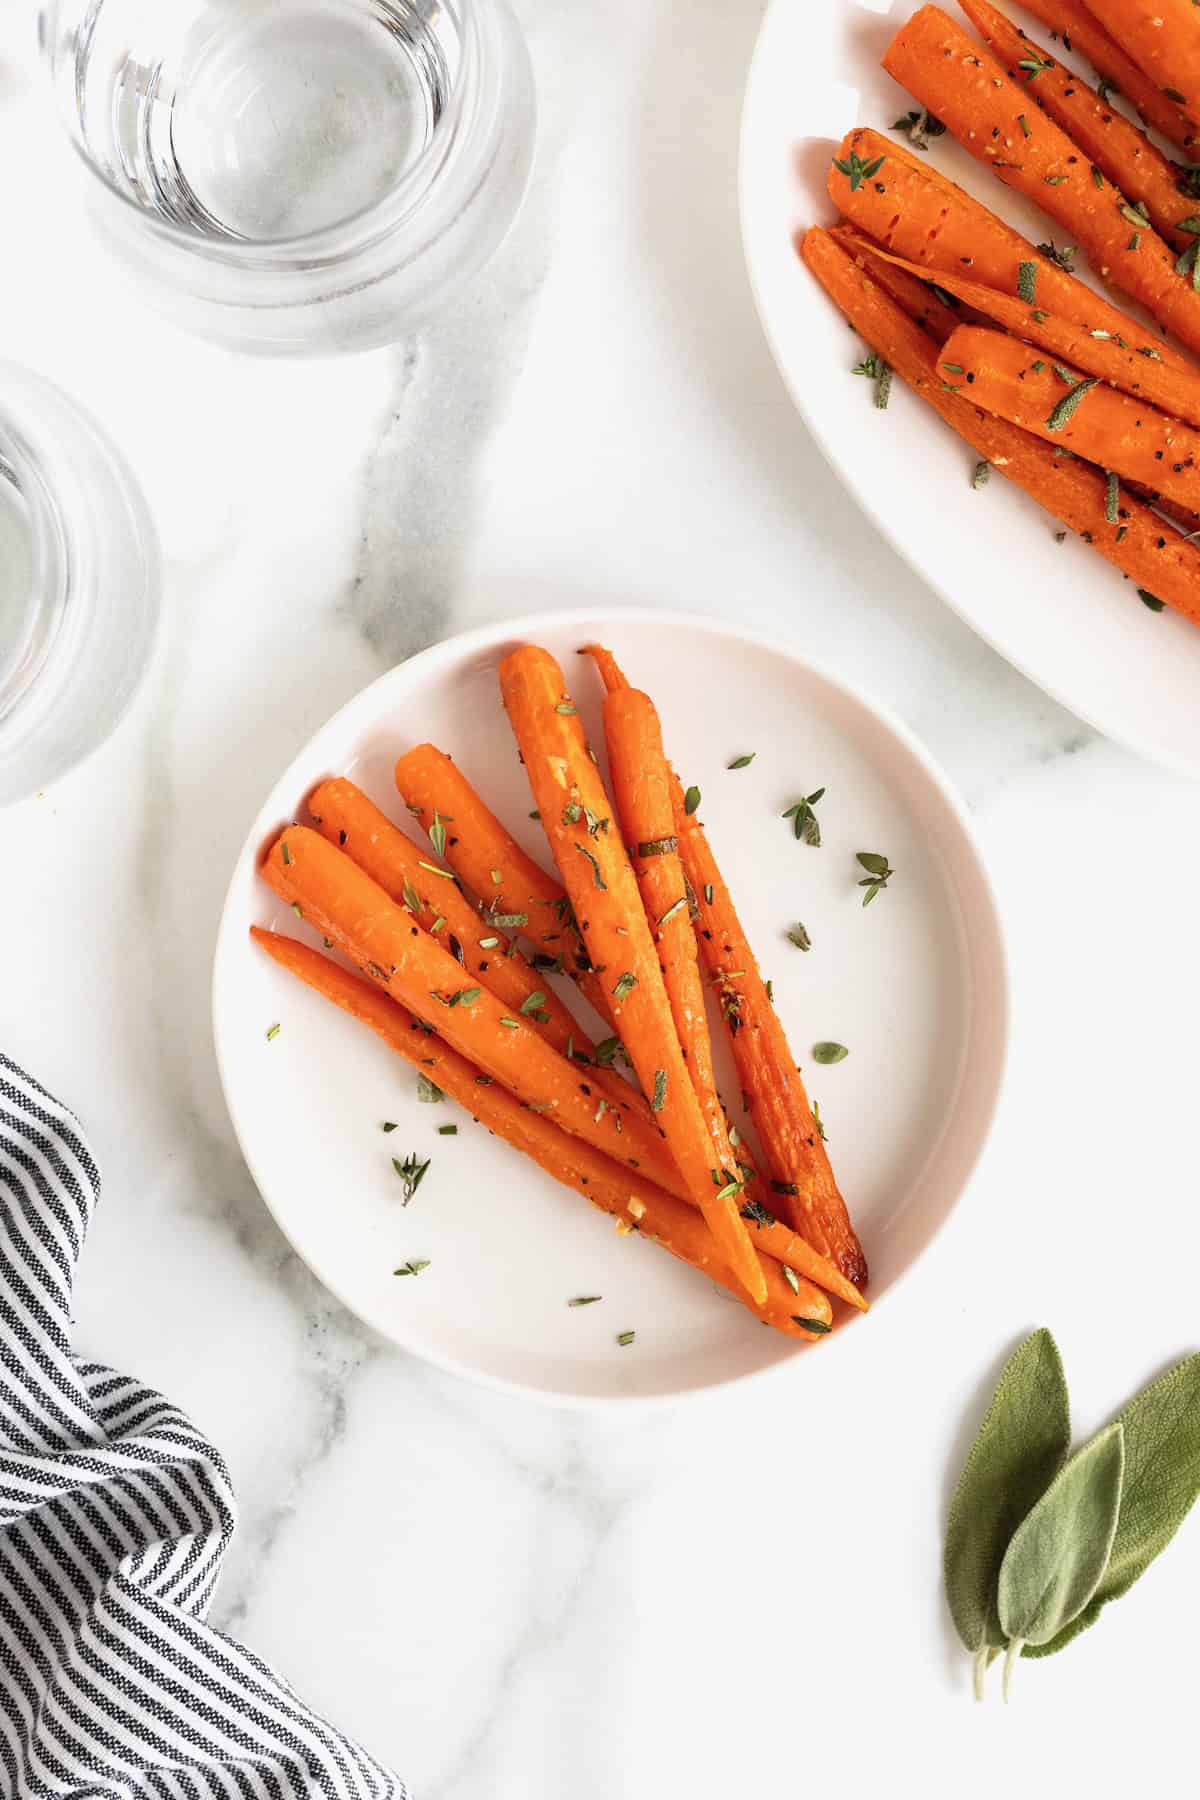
[[428, 1091], [273, 1032], [434, 870], [708, 893], [595, 825], [827, 1052], [389, 1125], [597, 877], [437, 833], [1055, 180], [1064, 256], [658, 846], [980, 478], [856, 169], [1187, 264], [1034, 66], [770, 991], [756, 1212], [489, 943], [507, 921], [625, 986], [464, 997], [1097, 177], [879, 873], [1105, 87], [659, 1098], [495, 878], [1061, 414], [535, 814], [818, 1327], [883, 388], [1146, 350], [625, 1338], [691, 801], [607, 1051], [804, 819], [286, 854], [1027, 282], [1135, 215], [742, 762], [816, 1113], [1060, 537], [1112, 496], [1134, 241], [412, 1173], [1150, 600], [788, 1188], [790, 1276], [679, 906], [533, 1007], [585, 1300], [447, 1130], [1023, 122], [567, 707], [412, 1268], [954, 368], [410, 896], [799, 936], [437, 925], [296, 909], [1038, 366], [918, 127], [572, 813], [511, 1024]]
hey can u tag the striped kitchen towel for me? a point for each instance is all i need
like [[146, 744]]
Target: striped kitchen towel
[[115, 1514]]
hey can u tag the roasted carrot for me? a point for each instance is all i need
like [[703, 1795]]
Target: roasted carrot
[[908, 286], [794, 1146], [340, 901], [635, 1202], [1081, 30], [1064, 406], [1161, 562], [1162, 38], [997, 122], [517, 894], [345, 816], [1130, 362], [595, 870], [642, 794], [1117, 148], [909, 207]]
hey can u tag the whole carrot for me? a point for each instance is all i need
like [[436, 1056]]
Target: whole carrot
[[1160, 36], [998, 123], [1129, 361], [1116, 147], [341, 902], [1064, 406], [345, 816], [774, 1091], [1159, 561], [517, 894], [1081, 30], [800, 1311], [908, 207], [577, 819], [642, 794]]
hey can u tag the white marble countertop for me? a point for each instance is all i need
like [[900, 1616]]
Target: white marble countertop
[[507, 1602]]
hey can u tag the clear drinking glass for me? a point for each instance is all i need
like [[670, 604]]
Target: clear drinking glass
[[297, 175], [79, 584]]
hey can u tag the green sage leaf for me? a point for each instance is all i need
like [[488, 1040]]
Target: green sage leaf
[[1020, 1447], [1060, 1551], [1162, 1480]]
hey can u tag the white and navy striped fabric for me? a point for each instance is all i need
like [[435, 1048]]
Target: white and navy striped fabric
[[114, 1517]]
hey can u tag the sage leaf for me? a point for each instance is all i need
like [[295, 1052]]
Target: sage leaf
[[1020, 1447], [1061, 1549], [1162, 1480]]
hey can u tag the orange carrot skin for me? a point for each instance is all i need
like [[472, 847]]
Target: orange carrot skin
[[345, 816], [491, 862], [635, 1202], [1082, 31], [340, 901], [910, 208], [908, 285], [799, 1167], [1115, 146], [998, 123], [595, 870], [1133, 364], [1157, 560], [1161, 38], [1113, 430], [642, 795]]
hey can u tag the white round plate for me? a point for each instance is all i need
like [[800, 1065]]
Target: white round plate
[[914, 987], [1056, 611]]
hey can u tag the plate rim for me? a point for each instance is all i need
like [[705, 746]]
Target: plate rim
[[1162, 756], [988, 923]]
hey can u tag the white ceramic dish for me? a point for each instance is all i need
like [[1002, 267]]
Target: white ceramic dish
[[914, 986], [1057, 611]]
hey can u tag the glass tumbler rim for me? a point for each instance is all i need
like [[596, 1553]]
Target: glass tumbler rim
[[329, 244], [30, 466]]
